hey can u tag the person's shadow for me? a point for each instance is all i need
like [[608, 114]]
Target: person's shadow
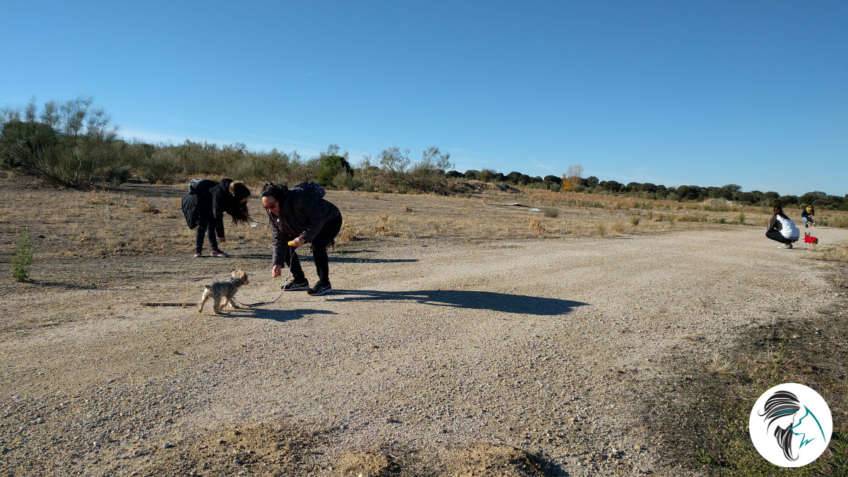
[[332, 258], [479, 300], [278, 315]]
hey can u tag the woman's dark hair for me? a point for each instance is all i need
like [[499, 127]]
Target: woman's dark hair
[[238, 210], [781, 404], [239, 190], [778, 210], [277, 191]]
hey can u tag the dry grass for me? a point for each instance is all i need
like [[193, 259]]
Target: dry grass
[[347, 235], [146, 207], [833, 253], [536, 227], [146, 220]]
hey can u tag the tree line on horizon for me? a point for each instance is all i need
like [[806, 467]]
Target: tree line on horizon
[[74, 144]]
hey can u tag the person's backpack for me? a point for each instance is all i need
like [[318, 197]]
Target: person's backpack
[[190, 211], [311, 188], [189, 204]]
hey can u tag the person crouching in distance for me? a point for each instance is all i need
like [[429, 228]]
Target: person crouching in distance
[[782, 229]]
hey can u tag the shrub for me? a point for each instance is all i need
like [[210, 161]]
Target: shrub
[[343, 180], [22, 259], [162, 166], [329, 167], [550, 212], [741, 218], [634, 220]]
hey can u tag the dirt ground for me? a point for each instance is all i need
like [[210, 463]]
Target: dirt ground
[[432, 357]]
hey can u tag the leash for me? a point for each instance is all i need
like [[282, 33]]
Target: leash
[[178, 304], [261, 303]]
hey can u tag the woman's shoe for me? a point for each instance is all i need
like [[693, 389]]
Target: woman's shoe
[[320, 288], [294, 285]]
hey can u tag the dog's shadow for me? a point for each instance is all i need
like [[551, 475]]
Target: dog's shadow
[[279, 316]]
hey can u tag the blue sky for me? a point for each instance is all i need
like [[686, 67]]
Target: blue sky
[[707, 93]]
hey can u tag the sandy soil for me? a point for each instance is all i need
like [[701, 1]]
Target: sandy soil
[[512, 358]]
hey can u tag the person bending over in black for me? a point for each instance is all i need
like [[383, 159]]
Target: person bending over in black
[[299, 216]]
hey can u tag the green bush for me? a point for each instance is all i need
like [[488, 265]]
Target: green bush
[[22, 259], [330, 166], [162, 166]]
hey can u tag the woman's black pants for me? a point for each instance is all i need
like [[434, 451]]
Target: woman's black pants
[[325, 237], [775, 235]]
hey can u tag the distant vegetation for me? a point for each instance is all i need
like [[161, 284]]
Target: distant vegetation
[[22, 259], [74, 144]]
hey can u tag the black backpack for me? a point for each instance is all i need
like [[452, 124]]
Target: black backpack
[[189, 203], [189, 207], [311, 188]]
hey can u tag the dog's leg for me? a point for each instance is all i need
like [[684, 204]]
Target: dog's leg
[[203, 300], [217, 305]]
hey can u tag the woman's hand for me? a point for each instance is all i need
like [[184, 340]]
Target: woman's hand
[[296, 242], [276, 270]]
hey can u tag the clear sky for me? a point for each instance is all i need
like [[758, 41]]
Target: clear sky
[[673, 92]]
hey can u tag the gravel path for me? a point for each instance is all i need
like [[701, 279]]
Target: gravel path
[[544, 346]]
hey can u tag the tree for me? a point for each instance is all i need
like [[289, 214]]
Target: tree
[[436, 159], [514, 177], [50, 114], [487, 175], [571, 178], [28, 146], [330, 166], [394, 160]]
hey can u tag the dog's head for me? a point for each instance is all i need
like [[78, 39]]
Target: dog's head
[[240, 276]]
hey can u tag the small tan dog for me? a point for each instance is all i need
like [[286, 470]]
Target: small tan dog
[[223, 293]]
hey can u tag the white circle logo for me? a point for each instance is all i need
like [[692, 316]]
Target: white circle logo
[[790, 425]]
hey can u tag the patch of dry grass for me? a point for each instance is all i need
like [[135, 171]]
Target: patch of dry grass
[[103, 223], [833, 253], [536, 227]]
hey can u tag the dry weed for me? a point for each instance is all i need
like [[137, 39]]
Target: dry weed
[[601, 230], [146, 207], [347, 235], [536, 227], [618, 227]]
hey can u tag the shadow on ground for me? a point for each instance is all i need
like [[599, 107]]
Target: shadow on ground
[[479, 300], [278, 315], [333, 259], [63, 285], [149, 190]]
